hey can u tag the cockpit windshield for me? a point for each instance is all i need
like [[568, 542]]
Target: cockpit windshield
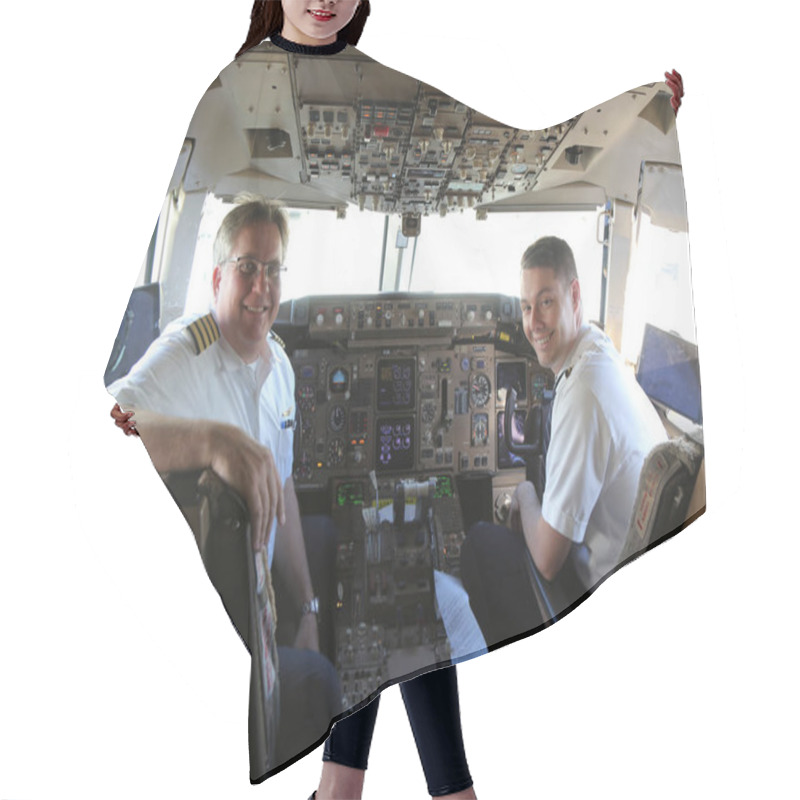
[[453, 253]]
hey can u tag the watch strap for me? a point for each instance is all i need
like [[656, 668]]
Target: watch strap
[[310, 607]]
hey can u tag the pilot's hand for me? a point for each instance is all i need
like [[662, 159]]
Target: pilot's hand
[[250, 469], [124, 420], [307, 633], [675, 83]]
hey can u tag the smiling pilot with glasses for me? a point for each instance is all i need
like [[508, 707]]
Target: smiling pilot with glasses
[[218, 391]]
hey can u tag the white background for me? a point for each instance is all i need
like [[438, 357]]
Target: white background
[[120, 675]]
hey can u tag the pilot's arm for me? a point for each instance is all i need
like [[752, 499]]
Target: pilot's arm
[[548, 548], [577, 460], [292, 564]]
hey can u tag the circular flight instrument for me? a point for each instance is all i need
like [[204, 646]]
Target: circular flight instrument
[[337, 419], [306, 399], [335, 452], [480, 390], [480, 430]]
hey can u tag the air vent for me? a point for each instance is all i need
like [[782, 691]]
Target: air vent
[[270, 143]]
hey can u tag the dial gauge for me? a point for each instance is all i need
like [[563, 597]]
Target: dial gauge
[[479, 390], [337, 419], [480, 430], [305, 399]]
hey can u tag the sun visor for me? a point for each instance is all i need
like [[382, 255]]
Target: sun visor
[[662, 196]]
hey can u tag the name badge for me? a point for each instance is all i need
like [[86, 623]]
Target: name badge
[[287, 419]]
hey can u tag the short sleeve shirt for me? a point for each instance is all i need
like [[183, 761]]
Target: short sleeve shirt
[[183, 375], [603, 427]]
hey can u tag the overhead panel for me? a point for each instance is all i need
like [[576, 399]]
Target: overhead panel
[[340, 127]]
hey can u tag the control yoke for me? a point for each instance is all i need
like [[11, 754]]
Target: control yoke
[[533, 428]]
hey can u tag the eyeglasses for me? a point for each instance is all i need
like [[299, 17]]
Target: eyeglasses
[[249, 267]]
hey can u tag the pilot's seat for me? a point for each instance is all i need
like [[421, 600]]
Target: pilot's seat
[[137, 331], [665, 503], [663, 500]]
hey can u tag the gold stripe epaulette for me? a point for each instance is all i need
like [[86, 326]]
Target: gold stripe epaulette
[[278, 339], [205, 332]]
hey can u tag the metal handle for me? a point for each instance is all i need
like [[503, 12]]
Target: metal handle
[[600, 235], [521, 450]]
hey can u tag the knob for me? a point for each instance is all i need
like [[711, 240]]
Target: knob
[[502, 506]]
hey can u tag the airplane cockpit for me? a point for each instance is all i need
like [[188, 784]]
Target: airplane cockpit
[[420, 405]]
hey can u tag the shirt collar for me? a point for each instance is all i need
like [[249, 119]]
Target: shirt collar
[[575, 353], [231, 361], [582, 340]]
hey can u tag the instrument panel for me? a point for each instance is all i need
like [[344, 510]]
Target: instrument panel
[[406, 384]]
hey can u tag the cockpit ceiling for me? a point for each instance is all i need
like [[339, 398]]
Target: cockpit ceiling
[[345, 130]]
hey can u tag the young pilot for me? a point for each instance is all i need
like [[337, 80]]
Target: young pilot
[[217, 391], [603, 427]]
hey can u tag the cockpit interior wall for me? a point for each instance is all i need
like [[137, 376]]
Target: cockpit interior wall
[[401, 419]]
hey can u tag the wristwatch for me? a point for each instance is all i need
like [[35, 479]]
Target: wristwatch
[[310, 607]]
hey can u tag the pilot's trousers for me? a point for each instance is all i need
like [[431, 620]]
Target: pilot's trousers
[[309, 686], [495, 573], [432, 706]]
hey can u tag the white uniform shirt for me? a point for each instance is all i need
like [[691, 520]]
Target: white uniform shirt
[[172, 378], [603, 427]]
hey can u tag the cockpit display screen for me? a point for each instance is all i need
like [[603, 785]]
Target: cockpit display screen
[[669, 373], [396, 384], [511, 375], [339, 381], [394, 449]]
